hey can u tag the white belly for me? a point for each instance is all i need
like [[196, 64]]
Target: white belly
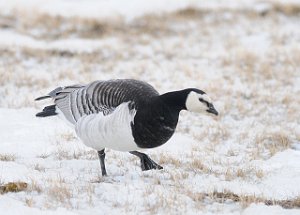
[[112, 131]]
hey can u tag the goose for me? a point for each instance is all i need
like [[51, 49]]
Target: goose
[[124, 114]]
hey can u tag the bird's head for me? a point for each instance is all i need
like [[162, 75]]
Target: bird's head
[[199, 102]]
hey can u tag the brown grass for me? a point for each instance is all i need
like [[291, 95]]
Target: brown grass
[[63, 154], [88, 189], [60, 193], [168, 159], [29, 202], [163, 201], [179, 176], [273, 142], [7, 157], [246, 200], [197, 165], [34, 187], [54, 27], [27, 80], [233, 172], [288, 9], [61, 27], [13, 187], [191, 13], [44, 155], [259, 173], [68, 136], [200, 199], [151, 31]]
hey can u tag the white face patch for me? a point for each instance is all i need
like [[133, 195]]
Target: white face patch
[[194, 105], [205, 97]]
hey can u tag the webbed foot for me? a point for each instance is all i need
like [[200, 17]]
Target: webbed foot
[[146, 162]]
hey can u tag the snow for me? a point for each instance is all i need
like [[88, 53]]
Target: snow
[[12, 39], [129, 9], [247, 63], [263, 209], [11, 207]]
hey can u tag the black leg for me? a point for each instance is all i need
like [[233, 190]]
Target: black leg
[[101, 155], [146, 162]]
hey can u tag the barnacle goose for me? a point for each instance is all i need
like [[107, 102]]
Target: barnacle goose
[[124, 114]]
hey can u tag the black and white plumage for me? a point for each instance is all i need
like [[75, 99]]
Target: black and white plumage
[[124, 114]]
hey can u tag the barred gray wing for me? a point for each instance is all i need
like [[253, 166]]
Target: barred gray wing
[[100, 96]]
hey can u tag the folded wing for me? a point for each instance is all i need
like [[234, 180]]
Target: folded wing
[[97, 97]]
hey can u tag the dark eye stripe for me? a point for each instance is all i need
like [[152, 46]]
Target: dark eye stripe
[[202, 100]]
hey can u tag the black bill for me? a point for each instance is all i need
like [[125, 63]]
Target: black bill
[[212, 110]]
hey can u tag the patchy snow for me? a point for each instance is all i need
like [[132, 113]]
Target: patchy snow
[[129, 9], [263, 209], [252, 74], [12, 207], [12, 39]]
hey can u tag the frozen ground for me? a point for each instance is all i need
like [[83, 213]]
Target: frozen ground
[[244, 54]]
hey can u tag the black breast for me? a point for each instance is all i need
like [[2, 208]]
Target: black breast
[[154, 124]]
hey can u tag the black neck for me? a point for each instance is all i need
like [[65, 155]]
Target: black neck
[[175, 99], [155, 122]]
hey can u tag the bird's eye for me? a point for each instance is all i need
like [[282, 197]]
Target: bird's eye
[[203, 101]]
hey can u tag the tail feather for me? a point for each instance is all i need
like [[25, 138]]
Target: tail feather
[[52, 94], [42, 97], [47, 111], [56, 94]]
